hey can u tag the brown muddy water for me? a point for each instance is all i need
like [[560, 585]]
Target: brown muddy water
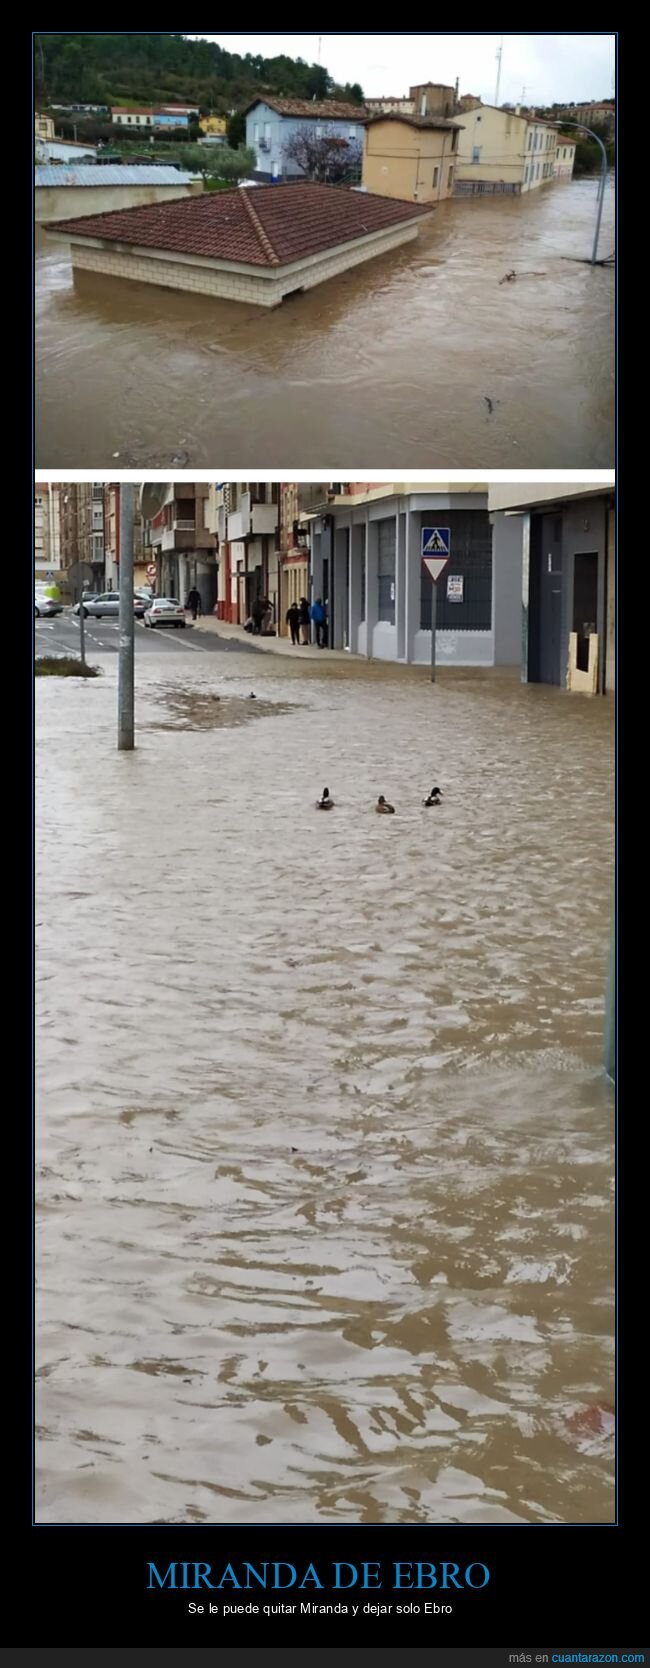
[[324, 1147], [388, 366]]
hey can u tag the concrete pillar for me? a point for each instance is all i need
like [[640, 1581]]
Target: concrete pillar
[[357, 571], [525, 595], [372, 584], [506, 589], [400, 586], [413, 583]]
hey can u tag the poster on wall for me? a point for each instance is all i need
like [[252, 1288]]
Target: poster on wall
[[455, 583]]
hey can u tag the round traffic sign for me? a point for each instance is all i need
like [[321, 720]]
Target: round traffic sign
[[151, 570]]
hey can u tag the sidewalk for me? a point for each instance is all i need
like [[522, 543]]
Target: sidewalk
[[269, 645]]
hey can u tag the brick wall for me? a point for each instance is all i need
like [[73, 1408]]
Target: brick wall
[[234, 286]]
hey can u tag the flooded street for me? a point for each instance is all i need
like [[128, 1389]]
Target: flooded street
[[390, 365], [324, 1146]]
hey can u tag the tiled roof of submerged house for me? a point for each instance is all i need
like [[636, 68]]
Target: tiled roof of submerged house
[[270, 227], [326, 109]]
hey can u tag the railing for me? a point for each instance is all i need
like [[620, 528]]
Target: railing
[[185, 526]]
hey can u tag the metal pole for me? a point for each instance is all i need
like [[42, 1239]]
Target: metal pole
[[609, 1050], [82, 627], [434, 610], [602, 182], [125, 723]]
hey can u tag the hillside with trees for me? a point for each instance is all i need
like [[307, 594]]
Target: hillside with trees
[[170, 69]]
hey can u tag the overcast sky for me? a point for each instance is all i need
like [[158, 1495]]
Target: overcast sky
[[552, 68]]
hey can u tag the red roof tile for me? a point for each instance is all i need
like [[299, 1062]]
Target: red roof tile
[[316, 110], [271, 225]]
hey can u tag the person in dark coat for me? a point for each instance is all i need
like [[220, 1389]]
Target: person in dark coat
[[194, 601], [258, 611], [293, 622], [304, 621]]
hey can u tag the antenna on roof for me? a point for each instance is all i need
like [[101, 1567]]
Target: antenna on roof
[[499, 56]]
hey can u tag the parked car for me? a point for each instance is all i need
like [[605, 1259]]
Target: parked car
[[44, 606], [165, 611], [107, 605]]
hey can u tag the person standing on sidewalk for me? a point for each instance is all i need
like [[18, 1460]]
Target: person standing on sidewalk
[[319, 619], [293, 622], [194, 602], [304, 621]]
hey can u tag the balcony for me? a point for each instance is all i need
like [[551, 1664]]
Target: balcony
[[252, 521]]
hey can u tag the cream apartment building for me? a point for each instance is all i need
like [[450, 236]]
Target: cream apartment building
[[410, 157], [504, 150]]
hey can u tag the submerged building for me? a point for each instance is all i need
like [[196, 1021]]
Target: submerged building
[[251, 246]]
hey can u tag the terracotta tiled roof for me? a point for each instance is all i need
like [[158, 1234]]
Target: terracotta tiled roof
[[326, 109], [270, 226], [412, 120]]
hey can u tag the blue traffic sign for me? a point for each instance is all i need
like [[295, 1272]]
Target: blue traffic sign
[[436, 541]]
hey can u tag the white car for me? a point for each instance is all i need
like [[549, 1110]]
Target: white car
[[165, 611]]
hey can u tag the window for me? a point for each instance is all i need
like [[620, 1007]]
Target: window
[[352, 132], [526, 174], [476, 153], [530, 140], [537, 174], [508, 125], [434, 181], [386, 571], [319, 132], [454, 139], [267, 132], [450, 178], [256, 133]]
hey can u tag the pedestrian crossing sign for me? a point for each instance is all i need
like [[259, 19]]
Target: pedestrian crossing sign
[[436, 549], [436, 541]]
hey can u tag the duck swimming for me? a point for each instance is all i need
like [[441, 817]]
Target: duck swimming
[[433, 798], [383, 807], [325, 802]]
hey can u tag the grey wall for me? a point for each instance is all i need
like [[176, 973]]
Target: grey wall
[[67, 202], [507, 547]]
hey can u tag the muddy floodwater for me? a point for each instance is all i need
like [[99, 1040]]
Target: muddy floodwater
[[393, 364], [324, 1146]]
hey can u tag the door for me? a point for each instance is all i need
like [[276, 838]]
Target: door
[[585, 604]]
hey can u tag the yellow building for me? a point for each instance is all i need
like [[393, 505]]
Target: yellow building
[[213, 124], [410, 157], [504, 150]]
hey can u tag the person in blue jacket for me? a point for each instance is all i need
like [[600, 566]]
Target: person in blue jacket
[[319, 621]]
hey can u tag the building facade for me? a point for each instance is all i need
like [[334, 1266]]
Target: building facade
[[565, 156], [43, 126], [567, 537], [410, 157], [504, 150], [272, 123], [244, 516], [126, 115], [366, 565], [141, 548], [47, 529], [183, 547]]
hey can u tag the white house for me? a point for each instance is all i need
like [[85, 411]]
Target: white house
[[272, 122]]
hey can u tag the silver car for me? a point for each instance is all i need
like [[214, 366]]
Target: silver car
[[165, 611], [107, 605]]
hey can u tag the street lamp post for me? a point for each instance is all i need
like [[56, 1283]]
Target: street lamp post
[[602, 183], [125, 718]]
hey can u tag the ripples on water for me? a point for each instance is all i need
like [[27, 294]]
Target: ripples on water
[[388, 364], [324, 1146]]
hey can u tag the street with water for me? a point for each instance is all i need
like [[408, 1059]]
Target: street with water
[[324, 1143]]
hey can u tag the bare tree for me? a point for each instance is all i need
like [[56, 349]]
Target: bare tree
[[325, 156]]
